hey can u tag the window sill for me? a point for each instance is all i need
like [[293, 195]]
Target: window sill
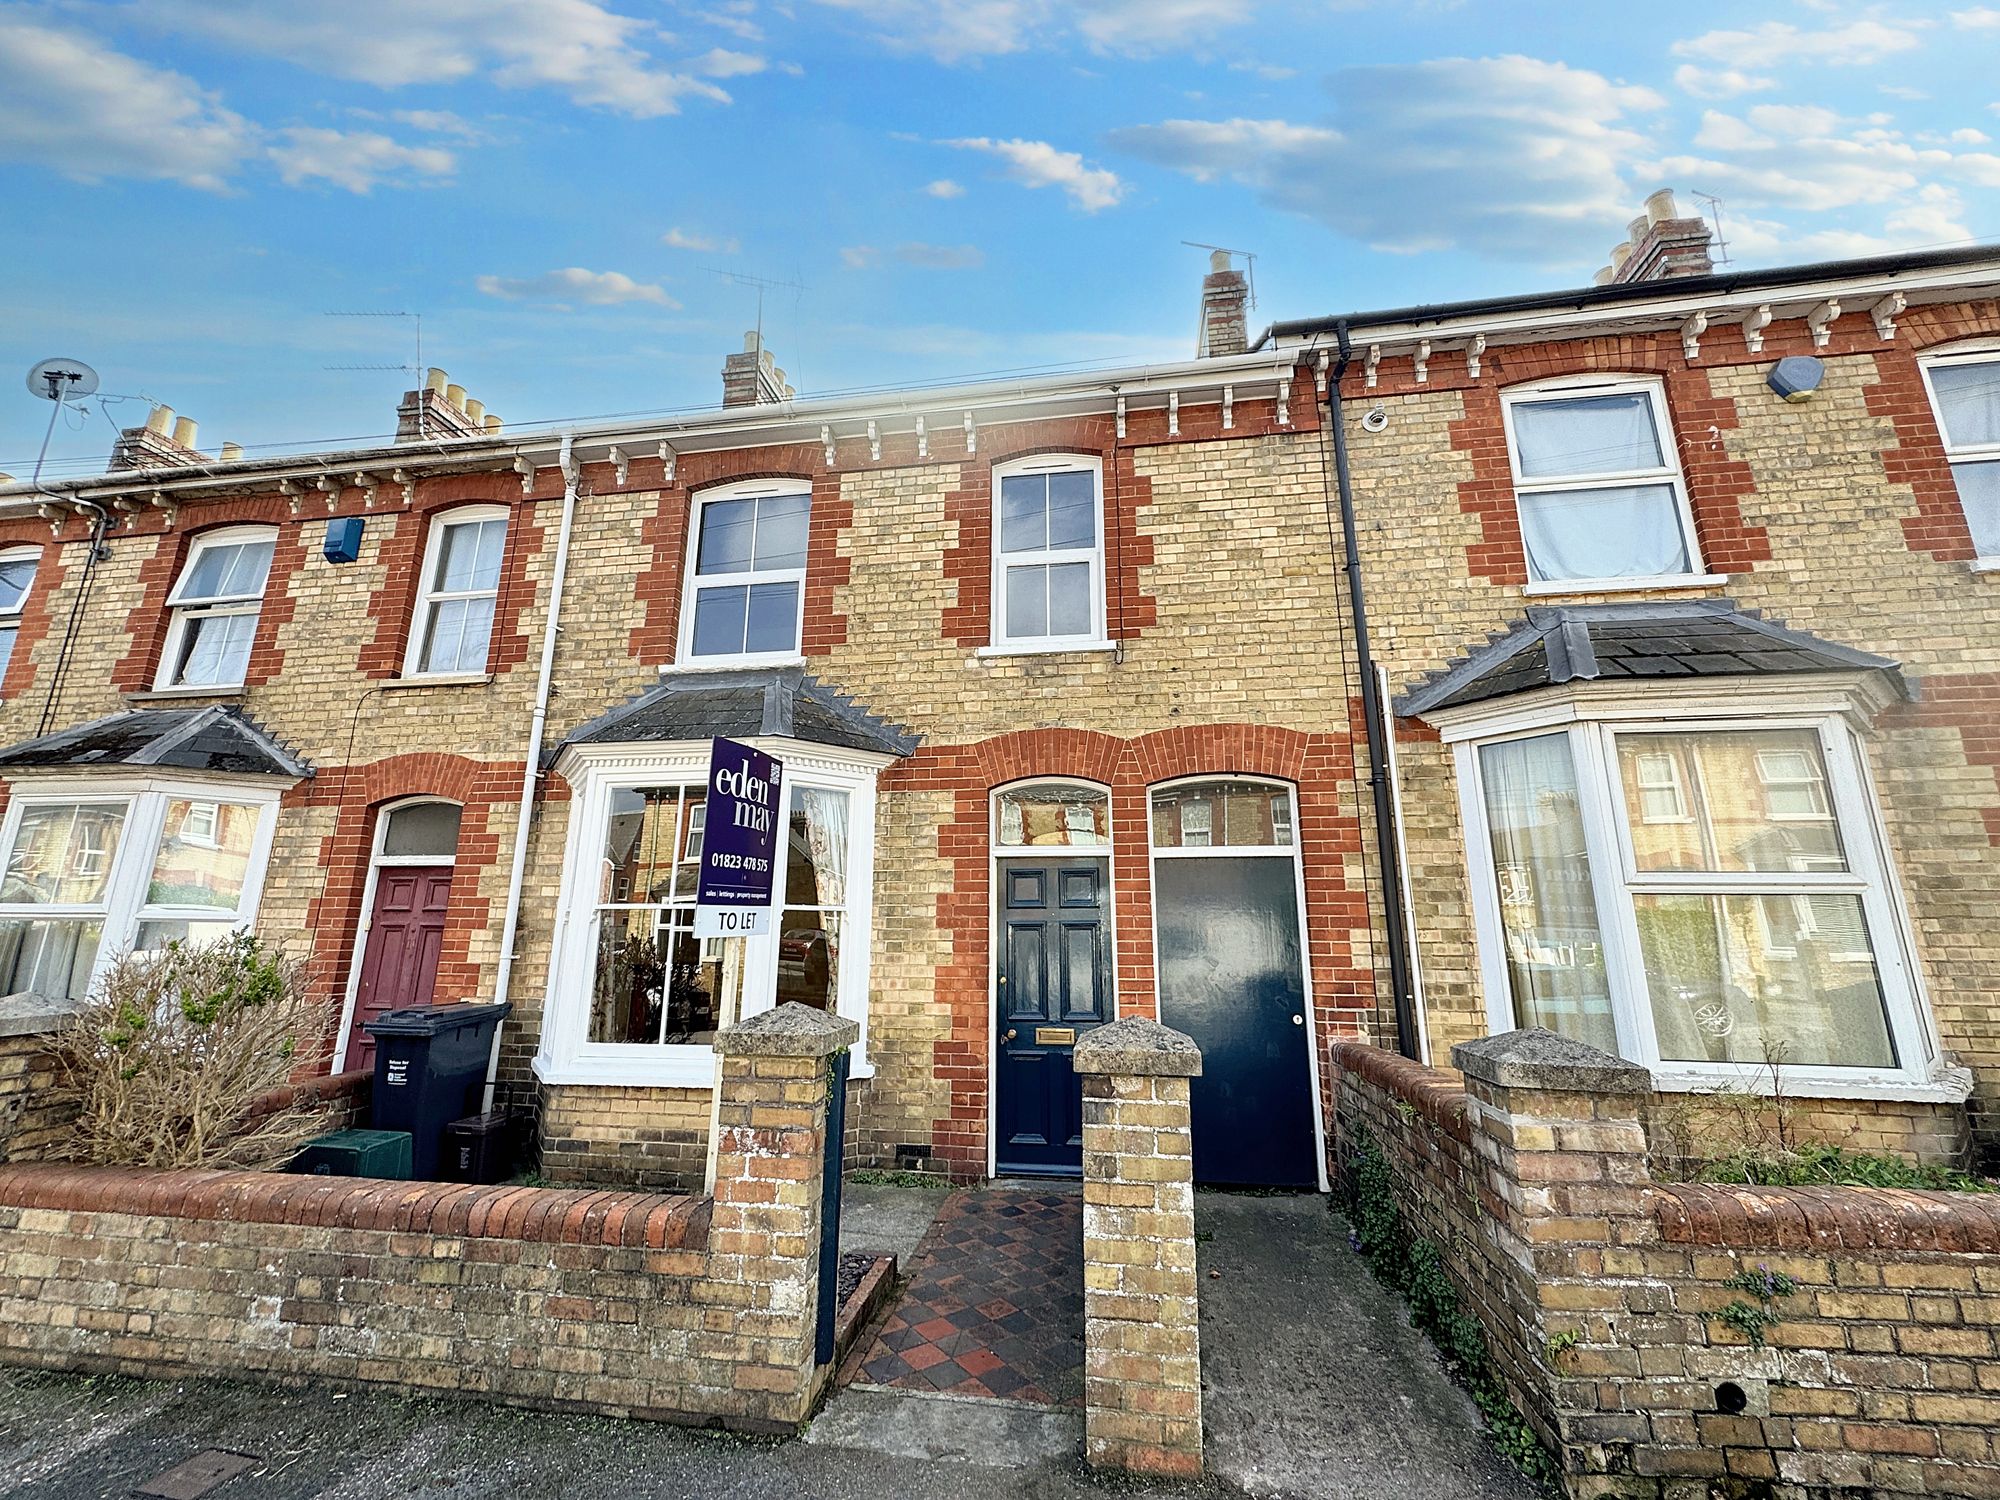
[[437, 680], [669, 1072], [1945, 1086], [233, 692], [1563, 586], [1054, 648], [731, 663]]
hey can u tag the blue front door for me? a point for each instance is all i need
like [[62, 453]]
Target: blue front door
[[1053, 980]]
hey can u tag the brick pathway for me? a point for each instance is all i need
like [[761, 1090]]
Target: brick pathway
[[995, 1302]]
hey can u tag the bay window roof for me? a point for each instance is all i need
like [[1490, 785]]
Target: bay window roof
[[1681, 639], [215, 738], [787, 703]]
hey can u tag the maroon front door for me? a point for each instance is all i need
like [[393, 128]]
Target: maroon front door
[[400, 965]]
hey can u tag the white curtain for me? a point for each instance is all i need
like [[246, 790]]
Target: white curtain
[[1633, 532], [1590, 435], [826, 835], [1969, 401]]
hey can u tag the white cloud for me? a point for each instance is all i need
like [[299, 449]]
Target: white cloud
[[941, 257], [591, 54], [1264, 70], [733, 18], [709, 244], [944, 187], [69, 103], [438, 122], [574, 284], [1902, 91], [1979, 18], [720, 62], [1931, 216], [353, 159], [1719, 83], [1508, 156], [1809, 158], [1037, 164], [1849, 44], [971, 29], [859, 257]]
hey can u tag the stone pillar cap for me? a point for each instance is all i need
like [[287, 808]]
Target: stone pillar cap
[[34, 1015], [789, 1030], [1535, 1058], [1139, 1047]]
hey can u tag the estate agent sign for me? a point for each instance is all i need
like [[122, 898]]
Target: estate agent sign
[[739, 842]]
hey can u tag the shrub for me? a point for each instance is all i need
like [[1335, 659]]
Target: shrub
[[175, 1046]]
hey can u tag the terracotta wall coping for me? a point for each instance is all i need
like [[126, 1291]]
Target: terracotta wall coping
[[567, 1216], [356, 1084], [1827, 1218], [1438, 1094]]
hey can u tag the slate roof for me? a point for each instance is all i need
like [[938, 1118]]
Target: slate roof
[[1634, 642], [784, 702], [216, 738]]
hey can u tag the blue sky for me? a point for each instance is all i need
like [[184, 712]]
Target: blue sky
[[191, 185]]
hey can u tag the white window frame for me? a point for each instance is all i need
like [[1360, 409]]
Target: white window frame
[[1591, 721], [377, 862], [1096, 638], [145, 800], [180, 615], [566, 1056], [429, 597], [1985, 352], [10, 616], [694, 585], [1295, 852], [1570, 387], [1001, 854]]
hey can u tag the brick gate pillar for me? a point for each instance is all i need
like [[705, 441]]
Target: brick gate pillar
[[763, 1241], [1142, 1348]]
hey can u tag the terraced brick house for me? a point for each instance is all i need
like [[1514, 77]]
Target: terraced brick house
[[1680, 694]]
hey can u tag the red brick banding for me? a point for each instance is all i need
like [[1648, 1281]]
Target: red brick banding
[[37, 609], [657, 1221], [146, 624], [1827, 1219]]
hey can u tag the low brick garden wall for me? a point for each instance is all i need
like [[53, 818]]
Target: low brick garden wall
[[675, 1307], [1667, 1339]]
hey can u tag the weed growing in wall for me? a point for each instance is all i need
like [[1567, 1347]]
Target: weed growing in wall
[[1754, 1319], [1415, 1267]]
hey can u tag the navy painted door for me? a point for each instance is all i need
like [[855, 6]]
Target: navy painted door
[[1054, 983], [1231, 977]]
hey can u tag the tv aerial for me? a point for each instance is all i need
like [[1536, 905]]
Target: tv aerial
[[62, 380]]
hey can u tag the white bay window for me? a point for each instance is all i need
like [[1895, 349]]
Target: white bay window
[[1599, 488], [1695, 889], [94, 869], [635, 998]]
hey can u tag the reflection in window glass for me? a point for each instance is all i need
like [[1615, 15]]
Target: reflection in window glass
[[1548, 910], [1968, 404], [215, 609], [62, 853], [456, 611], [809, 929], [1054, 813], [206, 868], [1758, 801], [1229, 814], [17, 576], [1734, 977], [749, 575]]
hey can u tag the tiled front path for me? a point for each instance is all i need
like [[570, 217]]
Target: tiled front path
[[995, 1302]]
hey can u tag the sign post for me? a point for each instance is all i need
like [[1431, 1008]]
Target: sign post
[[739, 842]]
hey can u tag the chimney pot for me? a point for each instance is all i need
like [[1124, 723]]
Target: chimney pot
[[231, 452], [475, 411], [492, 423], [161, 421], [1661, 206], [185, 429], [1225, 296], [1603, 276], [750, 341], [1664, 243], [455, 395], [436, 380], [1619, 253], [1218, 260]]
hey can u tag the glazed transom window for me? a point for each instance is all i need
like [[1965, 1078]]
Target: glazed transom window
[[461, 588], [1695, 897], [1965, 391], [1222, 815], [1052, 814], [17, 577], [1048, 554], [87, 877], [214, 608], [1598, 486], [747, 578]]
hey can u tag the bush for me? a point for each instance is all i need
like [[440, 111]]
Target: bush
[[175, 1046]]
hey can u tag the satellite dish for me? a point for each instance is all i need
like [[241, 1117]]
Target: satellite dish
[[62, 380]]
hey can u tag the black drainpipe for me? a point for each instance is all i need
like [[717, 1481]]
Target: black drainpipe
[[1375, 724]]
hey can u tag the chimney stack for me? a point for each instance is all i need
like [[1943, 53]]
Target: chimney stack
[[752, 378], [1225, 296], [165, 442], [1659, 245], [441, 409]]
